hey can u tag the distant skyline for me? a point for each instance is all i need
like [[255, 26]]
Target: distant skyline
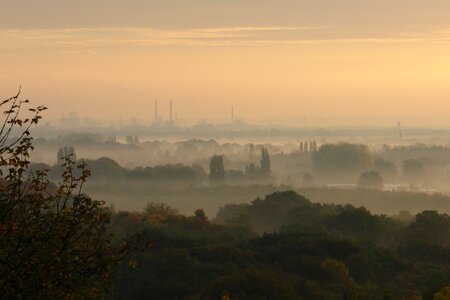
[[437, 121], [346, 62]]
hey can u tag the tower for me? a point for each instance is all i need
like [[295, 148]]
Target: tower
[[400, 133]]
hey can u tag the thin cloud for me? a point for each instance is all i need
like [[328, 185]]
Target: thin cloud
[[91, 38], [79, 52]]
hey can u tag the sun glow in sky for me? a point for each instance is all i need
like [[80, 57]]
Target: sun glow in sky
[[346, 61]]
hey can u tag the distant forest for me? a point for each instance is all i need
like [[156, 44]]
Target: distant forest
[[283, 246]]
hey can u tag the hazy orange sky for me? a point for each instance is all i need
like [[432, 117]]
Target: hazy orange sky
[[343, 61]]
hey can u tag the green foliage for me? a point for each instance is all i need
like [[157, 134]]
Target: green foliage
[[132, 140], [265, 163], [200, 214], [67, 151], [416, 253], [156, 212], [431, 227], [252, 284], [168, 172], [106, 169], [263, 171], [370, 180], [288, 211], [443, 294], [342, 157], [251, 170], [313, 252], [413, 170], [386, 168], [378, 201], [216, 168], [264, 215], [337, 271]]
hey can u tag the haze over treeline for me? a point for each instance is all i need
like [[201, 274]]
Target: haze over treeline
[[385, 175]]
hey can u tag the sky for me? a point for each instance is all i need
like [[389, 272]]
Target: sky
[[332, 62]]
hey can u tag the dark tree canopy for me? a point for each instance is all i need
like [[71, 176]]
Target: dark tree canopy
[[342, 157], [265, 162], [305, 250], [413, 170], [216, 168], [370, 180]]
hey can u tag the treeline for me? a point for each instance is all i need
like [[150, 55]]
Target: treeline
[[106, 169], [253, 172], [382, 202], [285, 247], [410, 168], [414, 166], [169, 173], [133, 195]]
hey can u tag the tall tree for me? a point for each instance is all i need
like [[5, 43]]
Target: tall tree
[[216, 168], [64, 152], [265, 162]]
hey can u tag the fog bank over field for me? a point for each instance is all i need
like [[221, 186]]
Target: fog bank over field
[[385, 170]]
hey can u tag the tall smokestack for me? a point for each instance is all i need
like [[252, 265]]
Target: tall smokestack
[[171, 118]]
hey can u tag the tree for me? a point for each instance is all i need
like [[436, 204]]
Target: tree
[[216, 168], [314, 146], [301, 148], [413, 170], [386, 168], [201, 215], [342, 157], [370, 180], [251, 152], [67, 151], [155, 212], [340, 277], [442, 294], [251, 170], [53, 239], [132, 140], [337, 270], [430, 227], [265, 163]]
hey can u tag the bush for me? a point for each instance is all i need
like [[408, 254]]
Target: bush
[[53, 240]]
